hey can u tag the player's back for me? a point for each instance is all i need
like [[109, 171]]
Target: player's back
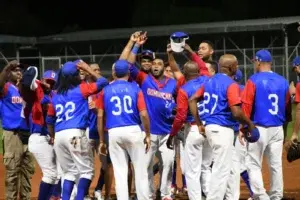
[[120, 100], [216, 106], [271, 91], [71, 110], [190, 88]]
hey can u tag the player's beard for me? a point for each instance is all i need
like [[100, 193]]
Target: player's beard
[[157, 73]]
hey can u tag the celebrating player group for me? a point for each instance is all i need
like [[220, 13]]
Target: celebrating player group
[[135, 123]]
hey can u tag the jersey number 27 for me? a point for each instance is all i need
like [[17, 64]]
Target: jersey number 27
[[124, 104]]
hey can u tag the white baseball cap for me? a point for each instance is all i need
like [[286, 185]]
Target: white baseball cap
[[178, 41]]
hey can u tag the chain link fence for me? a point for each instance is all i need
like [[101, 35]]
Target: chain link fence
[[105, 61]]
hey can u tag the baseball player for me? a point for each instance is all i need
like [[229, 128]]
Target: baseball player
[[106, 167], [266, 100], [124, 107], [241, 151], [37, 95], [296, 127], [68, 114], [221, 102], [194, 142], [158, 91], [15, 135]]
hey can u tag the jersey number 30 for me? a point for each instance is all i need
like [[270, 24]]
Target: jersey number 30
[[121, 105], [68, 110], [274, 102]]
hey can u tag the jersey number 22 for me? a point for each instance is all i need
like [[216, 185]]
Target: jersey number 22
[[68, 110]]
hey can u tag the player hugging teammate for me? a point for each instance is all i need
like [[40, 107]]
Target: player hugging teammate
[[75, 114]]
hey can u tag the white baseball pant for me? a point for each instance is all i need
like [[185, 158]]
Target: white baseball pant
[[233, 185], [269, 144], [73, 154], [242, 153], [221, 141], [193, 159], [45, 156], [124, 141], [166, 159]]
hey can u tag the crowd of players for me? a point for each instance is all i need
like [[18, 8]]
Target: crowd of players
[[200, 111]]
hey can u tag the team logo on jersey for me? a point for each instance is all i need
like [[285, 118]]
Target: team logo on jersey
[[16, 100], [163, 95]]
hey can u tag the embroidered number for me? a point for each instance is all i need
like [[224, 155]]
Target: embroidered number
[[203, 106], [68, 110], [274, 102], [122, 105]]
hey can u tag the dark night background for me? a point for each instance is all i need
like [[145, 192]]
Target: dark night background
[[40, 18]]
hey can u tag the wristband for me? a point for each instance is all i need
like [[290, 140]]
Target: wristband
[[135, 49]]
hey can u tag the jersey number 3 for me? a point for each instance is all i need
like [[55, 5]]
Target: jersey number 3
[[68, 110], [274, 102], [121, 105]]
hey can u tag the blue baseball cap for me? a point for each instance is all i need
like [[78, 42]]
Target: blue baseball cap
[[121, 68], [296, 61], [148, 54], [177, 40], [50, 75], [238, 76], [252, 136], [69, 69], [263, 56]]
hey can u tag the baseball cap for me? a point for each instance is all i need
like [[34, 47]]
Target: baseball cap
[[296, 61], [69, 69], [178, 41], [238, 76], [121, 68], [263, 56], [50, 74], [148, 54], [252, 136]]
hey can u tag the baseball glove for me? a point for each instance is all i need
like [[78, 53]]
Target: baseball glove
[[293, 151]]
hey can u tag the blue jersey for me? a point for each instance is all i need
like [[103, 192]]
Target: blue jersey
[[190, 88], [159, 98], [219, 93], [12, 110], [70, 110], [269, 99], [121, 102]]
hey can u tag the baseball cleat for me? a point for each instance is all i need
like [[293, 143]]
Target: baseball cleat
[[98, 195], [174, 189]]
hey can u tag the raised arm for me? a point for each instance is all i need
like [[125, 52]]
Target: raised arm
[[203, 70], [126, 51], [172, 62], [139, 41]]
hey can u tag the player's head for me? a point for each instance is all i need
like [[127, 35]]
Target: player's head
[[68, 77], [157, 68], [146, 58], [168, 71], [263, 60], [190, 70], [212, 67], [121, 69], [206, 50], [15, 74], [238, 77], [296, 65], [228, 64], [96, 68], [50, 78]]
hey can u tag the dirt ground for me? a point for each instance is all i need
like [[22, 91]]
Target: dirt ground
[[291, 172]]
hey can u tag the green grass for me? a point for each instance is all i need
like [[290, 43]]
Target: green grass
[[290, 127]]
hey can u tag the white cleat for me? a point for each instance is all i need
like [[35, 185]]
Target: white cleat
[[98, 195]]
